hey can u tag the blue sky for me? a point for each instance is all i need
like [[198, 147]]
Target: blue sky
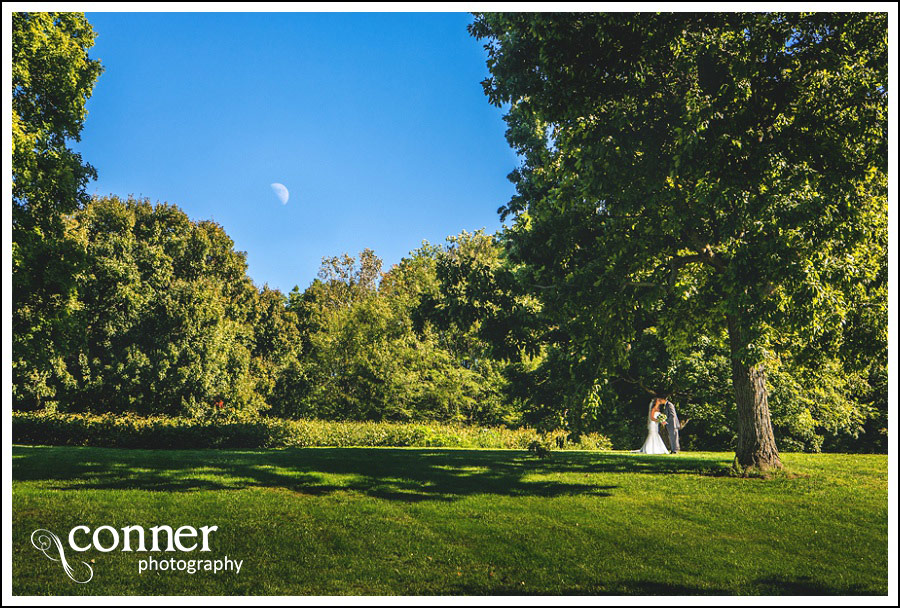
[[376, 123]]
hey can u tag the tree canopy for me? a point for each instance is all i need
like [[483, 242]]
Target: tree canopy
[[697, 173], [52, 78], [700, 212]]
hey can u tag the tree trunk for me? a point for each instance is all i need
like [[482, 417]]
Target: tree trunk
[[756, 442]]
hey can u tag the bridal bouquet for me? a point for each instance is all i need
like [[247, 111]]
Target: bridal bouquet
[[661, 418]]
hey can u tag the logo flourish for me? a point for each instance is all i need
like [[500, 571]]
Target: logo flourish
[[45, 540]]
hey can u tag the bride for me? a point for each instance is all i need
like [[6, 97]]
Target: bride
[[654, 443]]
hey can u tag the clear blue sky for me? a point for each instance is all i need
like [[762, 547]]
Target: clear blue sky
[[376, 123]]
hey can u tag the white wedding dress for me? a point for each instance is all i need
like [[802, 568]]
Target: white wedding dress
[[654, 442]]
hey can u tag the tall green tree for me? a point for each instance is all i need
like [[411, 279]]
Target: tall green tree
[[367, 352], [52, 78], [718, 172], [167, 320]]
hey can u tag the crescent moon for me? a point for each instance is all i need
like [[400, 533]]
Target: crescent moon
[[281, 192]]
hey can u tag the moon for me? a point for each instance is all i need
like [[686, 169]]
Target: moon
[[281, 192]]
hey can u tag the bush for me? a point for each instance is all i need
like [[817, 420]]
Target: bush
[[539, 449], [164, 432]]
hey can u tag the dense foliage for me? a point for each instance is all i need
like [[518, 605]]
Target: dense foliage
[[52, 78], [367, 357], [165, 321], [168, 432], [718, 175], [635, 257], [166, 317]]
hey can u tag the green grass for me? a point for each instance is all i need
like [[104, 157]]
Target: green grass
[[364, 521]]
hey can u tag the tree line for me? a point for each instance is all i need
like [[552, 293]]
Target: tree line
[[683, 226], [165, 320]]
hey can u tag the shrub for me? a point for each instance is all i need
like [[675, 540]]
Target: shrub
[[165, 432], [539, 448]]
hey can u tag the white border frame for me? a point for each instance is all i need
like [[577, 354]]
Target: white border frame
[[6, 588]]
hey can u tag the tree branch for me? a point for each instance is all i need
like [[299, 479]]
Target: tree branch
[[639, 383], [705, 252]]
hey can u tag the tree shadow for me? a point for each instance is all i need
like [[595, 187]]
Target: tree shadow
[[805, 585], [394, 474], [622, 588], [783, 586]]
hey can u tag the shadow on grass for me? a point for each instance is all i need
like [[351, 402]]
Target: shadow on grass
[[805, 585], [393, 474], [623, 588], [765, 586]]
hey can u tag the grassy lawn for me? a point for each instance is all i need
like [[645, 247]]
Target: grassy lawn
[[366, 521]]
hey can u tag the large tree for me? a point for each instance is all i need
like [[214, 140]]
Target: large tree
[[713, 172], [370, 354], [52, 78], [166, 319]]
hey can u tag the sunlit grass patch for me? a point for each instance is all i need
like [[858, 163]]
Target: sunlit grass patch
[[440, 521]]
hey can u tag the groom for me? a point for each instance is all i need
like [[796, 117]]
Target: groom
[[672, 425]]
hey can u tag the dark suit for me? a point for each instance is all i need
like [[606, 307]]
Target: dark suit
[[672, 424]]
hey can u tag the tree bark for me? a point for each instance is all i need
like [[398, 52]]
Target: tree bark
[[756, 441]]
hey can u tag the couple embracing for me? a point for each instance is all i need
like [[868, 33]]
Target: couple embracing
[[661, 411]]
